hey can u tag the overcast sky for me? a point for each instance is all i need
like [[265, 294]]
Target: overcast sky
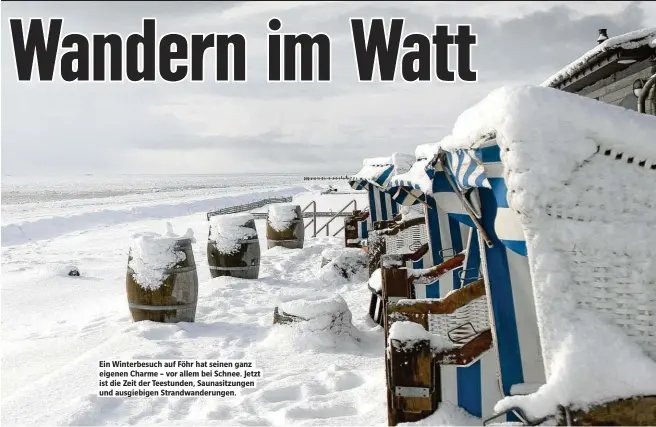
[[209, 127]]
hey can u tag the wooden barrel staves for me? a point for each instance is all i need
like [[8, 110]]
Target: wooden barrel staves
[[162, 283], [285, 226], [233, 247]]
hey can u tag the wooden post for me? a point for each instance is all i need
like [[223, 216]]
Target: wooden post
[[395, 285], [413, 391], [411, 375]]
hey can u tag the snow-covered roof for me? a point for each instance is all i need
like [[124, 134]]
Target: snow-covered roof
[[531, 112], [416, 178], [631, 40], [380, 170], [425, 151]]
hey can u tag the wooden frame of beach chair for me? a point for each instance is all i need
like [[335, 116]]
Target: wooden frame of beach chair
[[405, 238], [385, 230], [414, 369], [478, 387], [371, 178], [503, 264]]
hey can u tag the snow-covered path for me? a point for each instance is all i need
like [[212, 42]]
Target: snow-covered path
[[56, 328]]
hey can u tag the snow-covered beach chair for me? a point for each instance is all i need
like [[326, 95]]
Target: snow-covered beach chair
[[373, 177], [405, 237], [450, 300], [390, 228], [571, 174]]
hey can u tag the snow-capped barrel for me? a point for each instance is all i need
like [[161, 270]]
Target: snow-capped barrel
[[233, 247], [161, 281], [285, 226]]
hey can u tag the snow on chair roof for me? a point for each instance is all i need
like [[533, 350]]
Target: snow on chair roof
[[379, 170], [417, 180], [629, 41], [554, 120]]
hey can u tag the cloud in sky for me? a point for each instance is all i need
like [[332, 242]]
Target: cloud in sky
[[209, 127]]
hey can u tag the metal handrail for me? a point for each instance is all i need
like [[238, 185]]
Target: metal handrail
[[314, 216], [327, 224]]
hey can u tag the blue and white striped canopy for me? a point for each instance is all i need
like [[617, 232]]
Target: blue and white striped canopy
[[467, 169], [482, 168], [409, 188], [371, 174], [379, 171]]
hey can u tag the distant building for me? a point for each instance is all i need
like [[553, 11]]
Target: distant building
[[615, 71]]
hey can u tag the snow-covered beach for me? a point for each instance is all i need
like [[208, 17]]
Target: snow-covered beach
[[55, 328]]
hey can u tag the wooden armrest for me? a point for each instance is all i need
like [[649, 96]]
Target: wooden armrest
[[469, 352], [360, 215], [395, 227], [423, 250], [439, 270], [447, 305]]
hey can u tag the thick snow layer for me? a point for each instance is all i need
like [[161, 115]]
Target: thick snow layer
[[152, 254], [373, 168], [228, 231], [54, 335], [425, 151], [574, 122], [281, 215], [317, 306], [376, 280], [447, 414], [411, 212], [344, 264], [595, 364], [631, 40], [189, 234], [416, 176], [400, 161], [590, 222], [406, 334]]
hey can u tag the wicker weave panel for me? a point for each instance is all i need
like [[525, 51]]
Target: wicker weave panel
[[407, 241], [463, 324], [611, 285], [609, 276]]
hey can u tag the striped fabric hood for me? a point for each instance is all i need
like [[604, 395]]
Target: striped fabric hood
[[379, 171]]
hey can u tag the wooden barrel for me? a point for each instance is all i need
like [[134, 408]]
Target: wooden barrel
[[175, 299], [285, 226], [233, 247]]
